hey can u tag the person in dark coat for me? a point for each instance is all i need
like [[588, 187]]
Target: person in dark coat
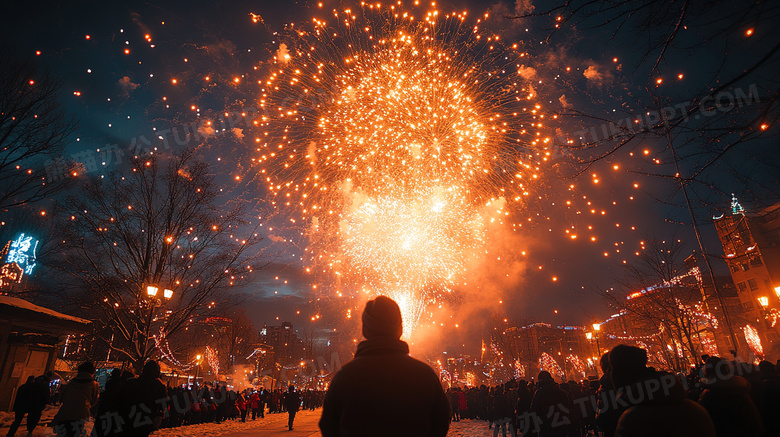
[[771, 398], [78, 397], [523, 407], [39, 400], [552, 407], [384, 391], [292, 403], [144, 398], [504, 413], [22, 405], [727, 398], [657, 405]]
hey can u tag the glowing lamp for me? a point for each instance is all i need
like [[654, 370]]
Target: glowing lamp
[[151, 290], [588, 335], [167, 293], [596, 327], [198, 357], [764, 301], [777, 291]]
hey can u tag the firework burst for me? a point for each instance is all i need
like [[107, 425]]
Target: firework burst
[[402, 139]]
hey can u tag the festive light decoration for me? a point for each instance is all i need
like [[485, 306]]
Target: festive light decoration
[[10, 274], [429, 134], [161, 343], [213, 360], [754, 341], [576, 364], [519, 369], [709, 345], [22, 251], [736, 207], [773, 314], [548, 363]]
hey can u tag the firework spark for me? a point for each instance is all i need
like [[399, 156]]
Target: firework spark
[[403, 139]]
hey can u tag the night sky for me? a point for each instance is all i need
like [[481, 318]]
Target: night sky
[[119, 60]]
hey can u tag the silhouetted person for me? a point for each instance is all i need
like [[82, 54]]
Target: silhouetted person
[[384, 391], [607, 413], [504, 413], [657, 405], [523, 407], [143, 398], [22, 404], [292, 402], [727, 398], [771, 398], [78, 397], [553, 407]]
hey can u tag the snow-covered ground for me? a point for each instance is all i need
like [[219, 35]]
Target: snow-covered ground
[[7, 418], [272, 424]]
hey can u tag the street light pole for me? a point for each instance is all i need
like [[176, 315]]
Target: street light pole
[[596, 329], [197, 367]]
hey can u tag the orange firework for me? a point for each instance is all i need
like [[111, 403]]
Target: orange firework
[[402, 140]]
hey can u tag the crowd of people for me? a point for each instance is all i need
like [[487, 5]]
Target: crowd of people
[[135, 406], [716, 398]]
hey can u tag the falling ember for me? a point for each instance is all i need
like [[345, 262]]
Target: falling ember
[[407, 162]]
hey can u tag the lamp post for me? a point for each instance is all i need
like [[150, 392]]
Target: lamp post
[[596, 329], [197, 366]]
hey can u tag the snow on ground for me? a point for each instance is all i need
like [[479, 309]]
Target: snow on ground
[[471, 428], [272, 424], [230, 427], [6, 418]]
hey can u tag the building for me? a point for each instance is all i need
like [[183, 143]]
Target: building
[[283, 341], [751, 247], [30, 337], [563, 350]]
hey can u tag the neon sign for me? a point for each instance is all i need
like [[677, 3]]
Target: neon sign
[[22, 252]]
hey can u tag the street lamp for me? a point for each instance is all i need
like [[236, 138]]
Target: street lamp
[[151, 290], [597, 328], [764, 301], [197, 366], [168, 293]]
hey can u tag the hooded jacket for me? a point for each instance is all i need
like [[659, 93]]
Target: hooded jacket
[[657, 406], [730, 407], [78, 397], [385, 392]]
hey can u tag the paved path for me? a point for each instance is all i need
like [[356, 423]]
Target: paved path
[[271, 425], [306, 425]]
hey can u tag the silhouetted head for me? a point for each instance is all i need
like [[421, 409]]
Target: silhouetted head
[[151, 369], [382, 318], [604, 362], [545, 376], [627, 363], [767, 369], [86, 367], [291, 388], [710, 365], [30, 379]]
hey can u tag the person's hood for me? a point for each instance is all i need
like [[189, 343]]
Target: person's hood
[[662, 393], [546, 384], [382, 346], [734, 383]]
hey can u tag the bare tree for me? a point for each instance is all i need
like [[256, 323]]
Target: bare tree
[[158, 226], [34, 130], [700, 91], [235, 338], [661, 299]]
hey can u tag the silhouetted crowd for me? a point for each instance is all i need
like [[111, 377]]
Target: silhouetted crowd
[[715, 398], [131, 406]]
